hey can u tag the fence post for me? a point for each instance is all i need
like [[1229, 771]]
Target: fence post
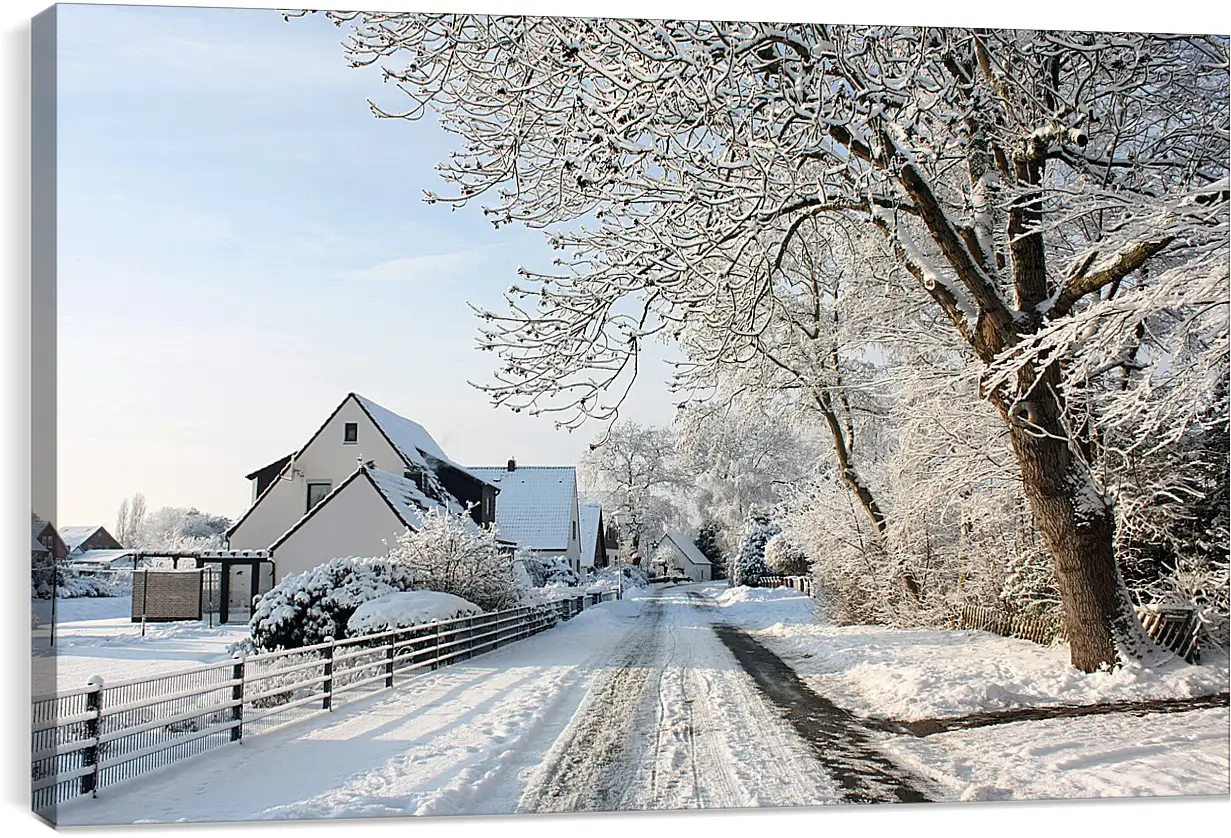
[[389, 662], [237, 695], [436, 651], [93, 727], [327, 702]]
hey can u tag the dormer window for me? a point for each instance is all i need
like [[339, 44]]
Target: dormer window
[[350, 433]]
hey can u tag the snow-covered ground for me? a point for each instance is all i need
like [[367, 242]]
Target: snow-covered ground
[[638, 704], [913, 674], [633, 705], [96, 636]]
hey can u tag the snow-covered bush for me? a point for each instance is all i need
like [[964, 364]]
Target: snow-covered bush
[[633, 577], [70, 584], [305, 608], [546, 570], [783, 557], [750, 563], [404, 609], [451, 555]]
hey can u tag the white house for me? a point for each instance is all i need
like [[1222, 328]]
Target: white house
[[680, 555], [537, 508], [358, 482]]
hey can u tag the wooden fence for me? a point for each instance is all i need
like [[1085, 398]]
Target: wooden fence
[[803, 584], [86, 739], [1172, 628]]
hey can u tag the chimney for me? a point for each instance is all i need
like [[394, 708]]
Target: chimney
[[512, 465]]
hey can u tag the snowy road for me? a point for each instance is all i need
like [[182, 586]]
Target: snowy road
[[631, 705]]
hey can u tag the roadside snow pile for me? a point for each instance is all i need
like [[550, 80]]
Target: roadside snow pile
[[552, 593], [407, 608], [915, 674], [766, 609]]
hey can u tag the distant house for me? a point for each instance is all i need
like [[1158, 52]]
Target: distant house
[[93, 561], [359, 481], [679, 554], [81, 539], [45, 536], [593, 541], [537, 508]]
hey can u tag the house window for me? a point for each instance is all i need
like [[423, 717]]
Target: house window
[[316, 493], [574, 531], [350, 432]]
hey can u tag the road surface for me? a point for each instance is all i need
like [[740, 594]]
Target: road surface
[[638, 704]]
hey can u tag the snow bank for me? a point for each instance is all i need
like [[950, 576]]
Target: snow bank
[[918, 674], [1116, 755], [407, 608], [766, 609]]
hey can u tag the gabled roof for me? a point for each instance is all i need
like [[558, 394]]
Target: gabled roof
[[402, 496], [535, 504], [588, 517], [37, 528], [687, 548], [103, 558], [36, 547], [275, 467], [410, 439], [75, 536]]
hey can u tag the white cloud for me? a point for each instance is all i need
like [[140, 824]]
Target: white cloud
[[434, 266]]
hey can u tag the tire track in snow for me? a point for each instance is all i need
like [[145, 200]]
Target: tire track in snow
[[591, 766], [675, 724]]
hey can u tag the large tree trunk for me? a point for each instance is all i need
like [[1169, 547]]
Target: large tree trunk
[[1078, 526]]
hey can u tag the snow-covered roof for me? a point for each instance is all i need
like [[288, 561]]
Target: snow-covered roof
[[688, 549], [535, 504], [74, 536], [36, 546], [410, 438], [587, 522], [403, 495], [106, 558]]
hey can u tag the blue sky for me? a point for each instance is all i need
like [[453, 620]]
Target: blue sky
[[241, 243]]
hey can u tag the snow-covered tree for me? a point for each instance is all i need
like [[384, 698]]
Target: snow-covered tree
[[783, 557], [750, 562], [708, 542], [738, 457], [631, 468], [168, 528], [450, 555], [1032, 184]]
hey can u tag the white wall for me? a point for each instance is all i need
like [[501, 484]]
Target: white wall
[[356, 522], [329, 459]]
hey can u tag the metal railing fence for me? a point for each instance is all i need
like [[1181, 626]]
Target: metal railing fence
[[86, 739]]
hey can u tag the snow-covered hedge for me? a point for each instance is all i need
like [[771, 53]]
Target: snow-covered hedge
[[305, 608], [446, 555], [407, 608], [71, 584]]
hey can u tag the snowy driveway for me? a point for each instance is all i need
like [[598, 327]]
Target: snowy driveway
[[632, 705]]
